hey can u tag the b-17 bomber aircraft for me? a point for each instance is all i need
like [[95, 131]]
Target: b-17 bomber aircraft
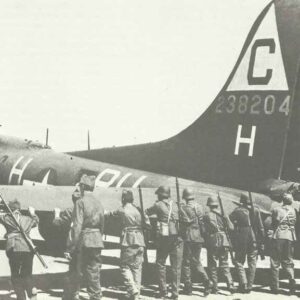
[[248, 139]]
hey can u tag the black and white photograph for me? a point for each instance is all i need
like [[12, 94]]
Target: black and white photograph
[[149, 149]]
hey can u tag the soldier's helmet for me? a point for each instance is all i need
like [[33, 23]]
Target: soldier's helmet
[[163, 191], [244, 199], [127, 196], [188, 194], [287, 198], [14, 205], [212, 202], [88, 182]]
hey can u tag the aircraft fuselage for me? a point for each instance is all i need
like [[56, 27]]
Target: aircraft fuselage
[[26, 163]]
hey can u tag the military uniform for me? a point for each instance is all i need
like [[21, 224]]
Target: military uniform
[[193, 243], [247, 241], [19, 254], [217, 247], [86, 236], [132, 247], [72, 278], [283, 238], [63, 220], [169, 244]]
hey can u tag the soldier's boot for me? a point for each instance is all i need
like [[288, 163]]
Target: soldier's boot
[[162, 295], [136, 297], [19, 289], [71, 297], [208, 285], [292, 286], [188, 289], [133, 296], [243, 289], [215, 289], [231, 288]]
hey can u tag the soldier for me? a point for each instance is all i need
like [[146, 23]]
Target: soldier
[[86, 236], [72, 280], [169, 241], [217, 244], [248, 238], [193, 243], [282, 243], [18, 252], [132, 243]]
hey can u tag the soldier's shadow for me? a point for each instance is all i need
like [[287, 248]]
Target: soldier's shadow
[[111, 280], [52, 283], [263, 277], [8, 296]]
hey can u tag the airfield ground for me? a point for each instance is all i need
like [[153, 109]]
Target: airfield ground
[[50, 282]]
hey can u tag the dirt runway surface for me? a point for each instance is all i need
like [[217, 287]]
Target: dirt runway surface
[[50, 282]]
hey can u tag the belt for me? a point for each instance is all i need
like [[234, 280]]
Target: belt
[[219, 231], [12, 235], [133, 228], [87, 230]]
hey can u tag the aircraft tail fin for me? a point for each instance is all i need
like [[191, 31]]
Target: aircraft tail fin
[[243, 136]]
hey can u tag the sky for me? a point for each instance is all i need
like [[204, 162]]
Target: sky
[[130, 71]]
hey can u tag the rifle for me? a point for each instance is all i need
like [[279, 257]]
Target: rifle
[[30, 244], [226, 228], [262, 211], [144, 223], [178, 203], [261, 254]]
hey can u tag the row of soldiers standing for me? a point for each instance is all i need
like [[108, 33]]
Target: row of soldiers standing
[[244, 226], [189, 228], [182, 231]]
